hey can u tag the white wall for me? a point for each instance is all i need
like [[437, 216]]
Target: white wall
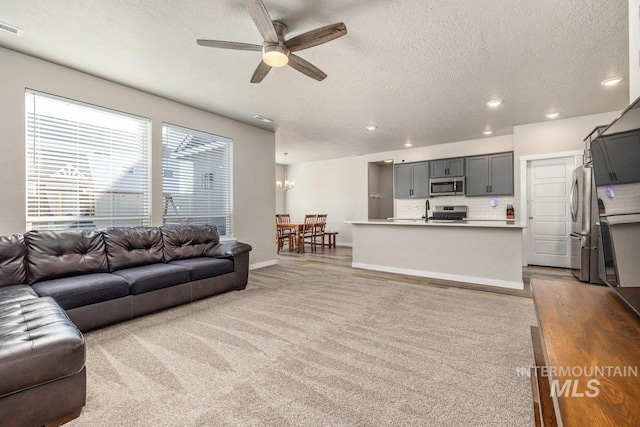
[[634, 50], [281, 206], [254, 149], [340, 187]]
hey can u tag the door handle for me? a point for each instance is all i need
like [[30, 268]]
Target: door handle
[[530, 217], [572, 202]]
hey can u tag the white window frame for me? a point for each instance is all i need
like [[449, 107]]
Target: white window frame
[[86, 166]]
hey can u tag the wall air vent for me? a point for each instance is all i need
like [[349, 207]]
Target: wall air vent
[[11, 29], [262, 119]]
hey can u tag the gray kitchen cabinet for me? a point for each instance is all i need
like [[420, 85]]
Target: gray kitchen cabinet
[[616, 159], [489, 175], [446, 167], [411, 180]]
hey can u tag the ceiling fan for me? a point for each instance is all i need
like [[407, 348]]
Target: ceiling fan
[[276, 51]]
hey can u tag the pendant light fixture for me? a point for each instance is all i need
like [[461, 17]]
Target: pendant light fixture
[[288, 185]]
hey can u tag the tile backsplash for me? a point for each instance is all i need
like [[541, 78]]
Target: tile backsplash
[[620, 199], [477, 207]]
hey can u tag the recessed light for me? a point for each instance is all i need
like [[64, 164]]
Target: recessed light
[[408, 144], [552, 115], [612, 81], [488, 132], [494, 102], [263, 119], [371, 127], [389, 161]]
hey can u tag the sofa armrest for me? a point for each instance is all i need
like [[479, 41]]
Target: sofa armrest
[[228, 250]]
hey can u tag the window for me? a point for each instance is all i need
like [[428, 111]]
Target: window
[[87, 167], [197, 178]]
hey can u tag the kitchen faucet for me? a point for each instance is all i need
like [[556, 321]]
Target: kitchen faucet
[[426, 211]]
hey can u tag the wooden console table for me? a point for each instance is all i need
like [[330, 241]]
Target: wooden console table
[[587, 357]]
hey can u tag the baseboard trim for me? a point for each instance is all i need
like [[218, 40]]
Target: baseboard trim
[[453, 277], [263, 264], [348, 245]]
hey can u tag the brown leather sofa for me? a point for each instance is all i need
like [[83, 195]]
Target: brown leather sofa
[[55, 284]]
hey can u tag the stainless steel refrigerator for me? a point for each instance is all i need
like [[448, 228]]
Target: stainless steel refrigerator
[[583, 205]]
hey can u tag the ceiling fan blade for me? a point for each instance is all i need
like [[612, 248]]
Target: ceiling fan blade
[[228, 45], [260, 73], [316, 37], [306, 67], [262, 20]]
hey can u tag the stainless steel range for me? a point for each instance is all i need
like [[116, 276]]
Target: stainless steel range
[[449, 213]]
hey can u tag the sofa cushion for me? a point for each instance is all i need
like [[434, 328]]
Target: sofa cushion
[[188, 241], [148, 278], [85, 289], [38, 344], [12, 255], [54, 254], [132, 246], [204, 267], [16, 293]]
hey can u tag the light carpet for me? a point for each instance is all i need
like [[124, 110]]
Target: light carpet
[[313, 348]]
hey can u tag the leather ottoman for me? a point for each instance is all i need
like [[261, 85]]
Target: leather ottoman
[[42, 358]]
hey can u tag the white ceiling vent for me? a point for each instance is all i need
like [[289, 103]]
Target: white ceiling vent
[[11, 29], [263, 119]]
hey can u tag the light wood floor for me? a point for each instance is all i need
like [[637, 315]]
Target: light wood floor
[[339, 259]]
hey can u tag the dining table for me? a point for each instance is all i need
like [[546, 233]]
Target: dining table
[[297, 229]]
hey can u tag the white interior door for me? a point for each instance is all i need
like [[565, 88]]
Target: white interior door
[[549, 218]]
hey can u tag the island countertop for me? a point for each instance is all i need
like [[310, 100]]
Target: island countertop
[[479, 252], [443, 223]]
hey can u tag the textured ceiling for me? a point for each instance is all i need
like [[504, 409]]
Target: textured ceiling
[[419, 70]]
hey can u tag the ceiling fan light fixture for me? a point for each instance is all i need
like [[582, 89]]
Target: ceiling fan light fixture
[[275, 55]]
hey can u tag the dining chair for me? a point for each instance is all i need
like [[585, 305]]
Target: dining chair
[[283, 234], [307, 232], [318, 230]]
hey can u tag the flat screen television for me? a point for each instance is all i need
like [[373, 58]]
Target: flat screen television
[[615, 156]]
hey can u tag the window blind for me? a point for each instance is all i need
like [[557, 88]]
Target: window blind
[[197, 178], [87, 166]]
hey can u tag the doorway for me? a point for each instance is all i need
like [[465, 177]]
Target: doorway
[[548, 217], [380, 189]]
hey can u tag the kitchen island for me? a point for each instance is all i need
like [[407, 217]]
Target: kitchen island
[[480, 252]]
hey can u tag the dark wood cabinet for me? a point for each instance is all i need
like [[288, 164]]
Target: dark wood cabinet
[[586, 353]]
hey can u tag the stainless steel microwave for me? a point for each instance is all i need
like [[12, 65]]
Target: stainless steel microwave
[[446, 186]]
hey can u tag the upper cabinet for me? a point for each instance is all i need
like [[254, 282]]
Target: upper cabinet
[[616, 158], [447, 167], [411, 180], [490, 175]]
